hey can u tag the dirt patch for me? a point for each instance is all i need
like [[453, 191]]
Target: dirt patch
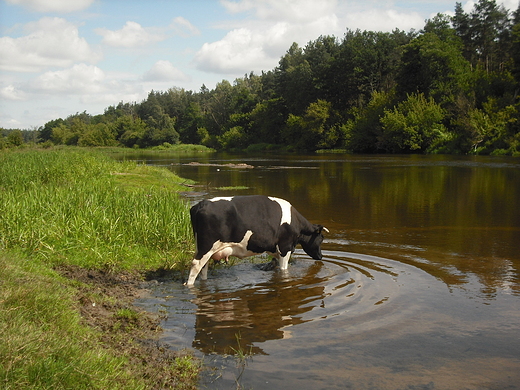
[[105, 301]]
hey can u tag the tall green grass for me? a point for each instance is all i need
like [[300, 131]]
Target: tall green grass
[[80, 207], [73, 206]]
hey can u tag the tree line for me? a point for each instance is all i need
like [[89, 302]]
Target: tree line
[[451, 87]]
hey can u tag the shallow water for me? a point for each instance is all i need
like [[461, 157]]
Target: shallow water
[[419, 286]]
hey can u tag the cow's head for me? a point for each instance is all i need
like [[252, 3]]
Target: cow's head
[[311, 243]]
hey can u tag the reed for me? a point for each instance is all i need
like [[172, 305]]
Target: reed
[[80, 207]]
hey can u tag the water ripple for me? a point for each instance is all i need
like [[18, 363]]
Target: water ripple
[[255, 305]]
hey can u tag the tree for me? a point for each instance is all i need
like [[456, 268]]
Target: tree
[[363, 130], [130, 131], [294, 80], [15, 138], [485, 34], [495, 130], [414, 125], [160, 127], [217, 106], [515, 49], [366, 62], [63, 135], [462, 25], [189, 123], [311, 131], [433, 67], [266, 120], [46, 130], [99, 134]]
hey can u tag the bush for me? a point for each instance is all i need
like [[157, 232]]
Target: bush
[[414, 125]]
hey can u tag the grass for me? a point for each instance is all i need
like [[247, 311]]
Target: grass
[[82, 208], [242, 356], [78, 207], [43, 344], [178, 148]]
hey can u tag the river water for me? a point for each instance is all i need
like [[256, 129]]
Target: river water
[[419, 286]]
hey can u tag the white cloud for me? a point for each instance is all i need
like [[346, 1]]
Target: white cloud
[[11, 93], [296, 11], [165, 71], [383, 20], [183, 27], [240, 50], [51, 42], [511, 5], [62, 6], [259, 40], [131, 35], [77, 80], [259, 45]]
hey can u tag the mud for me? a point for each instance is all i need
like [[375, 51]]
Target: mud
[[105, 301]]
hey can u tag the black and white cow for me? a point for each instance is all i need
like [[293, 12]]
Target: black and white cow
[[243, 226]]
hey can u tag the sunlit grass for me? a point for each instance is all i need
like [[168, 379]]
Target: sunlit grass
[[82, 208], [78, 207]]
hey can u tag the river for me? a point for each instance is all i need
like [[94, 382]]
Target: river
[[419, 286]]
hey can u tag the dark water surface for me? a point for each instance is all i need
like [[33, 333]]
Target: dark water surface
[[419, 287]]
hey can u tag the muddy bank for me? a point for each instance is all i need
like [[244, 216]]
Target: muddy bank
[[105, 301]]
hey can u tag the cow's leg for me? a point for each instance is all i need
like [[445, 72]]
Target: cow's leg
[[204, 272], [197, 266], [284, 260]]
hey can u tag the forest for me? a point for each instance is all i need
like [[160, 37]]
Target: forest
[[452, 87]]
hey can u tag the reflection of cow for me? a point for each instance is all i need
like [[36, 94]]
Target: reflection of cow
[[243, 226], [256, 313]]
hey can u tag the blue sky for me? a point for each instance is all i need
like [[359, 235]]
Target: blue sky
[[59, 57]]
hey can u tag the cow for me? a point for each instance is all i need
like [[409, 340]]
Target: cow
[[244, 226]]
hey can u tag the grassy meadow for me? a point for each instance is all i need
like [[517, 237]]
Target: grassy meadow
[[77, 207]]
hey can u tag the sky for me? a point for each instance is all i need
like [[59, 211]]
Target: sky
[[61, 57]]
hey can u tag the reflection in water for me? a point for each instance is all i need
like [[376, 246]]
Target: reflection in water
[[254, 314], [462, 212], [419, 286]]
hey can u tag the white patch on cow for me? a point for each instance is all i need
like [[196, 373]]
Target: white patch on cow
[[228, 198], [286, 210]]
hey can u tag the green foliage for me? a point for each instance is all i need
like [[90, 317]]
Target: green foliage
[[233, 138], [494, 129], [312, 130], [15, 138], [43, 344], [433, 66], [333, 92], [97, 135], [363, 131], [414, 125]]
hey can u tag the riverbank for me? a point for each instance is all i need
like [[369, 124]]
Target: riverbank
[[81, 237]]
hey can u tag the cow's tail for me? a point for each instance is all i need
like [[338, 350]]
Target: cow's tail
[[196, 216], [193, 217]]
